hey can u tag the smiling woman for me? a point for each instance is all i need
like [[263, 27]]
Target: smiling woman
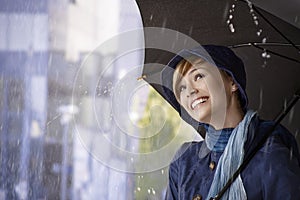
[[209, 84]]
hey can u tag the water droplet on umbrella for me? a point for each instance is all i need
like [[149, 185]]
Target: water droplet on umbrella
[[230, 16], [231, 28], [233, 6], [228, 21], [259, 32], [264, 40]]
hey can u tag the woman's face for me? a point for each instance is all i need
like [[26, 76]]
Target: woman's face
[[205, 92]]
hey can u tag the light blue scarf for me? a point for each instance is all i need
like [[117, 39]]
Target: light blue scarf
[[229, 162]]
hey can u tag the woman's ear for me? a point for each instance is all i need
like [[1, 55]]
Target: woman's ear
[[234, 87]]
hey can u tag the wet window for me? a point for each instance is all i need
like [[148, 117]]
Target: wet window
[[76, 122]]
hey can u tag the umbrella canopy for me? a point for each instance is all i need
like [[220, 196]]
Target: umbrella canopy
[[265, 43]]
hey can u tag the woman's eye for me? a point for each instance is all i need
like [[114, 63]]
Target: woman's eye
[[198, 76]]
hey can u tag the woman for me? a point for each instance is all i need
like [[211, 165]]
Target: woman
[[207, 87]]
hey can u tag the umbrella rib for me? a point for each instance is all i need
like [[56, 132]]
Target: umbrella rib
[[261, 44], [274, 27], [275, 53], [258, 46]]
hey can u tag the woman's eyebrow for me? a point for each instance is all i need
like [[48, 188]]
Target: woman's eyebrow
[[192, 71]]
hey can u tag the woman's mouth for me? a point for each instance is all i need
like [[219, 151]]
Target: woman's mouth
[[199, 101]]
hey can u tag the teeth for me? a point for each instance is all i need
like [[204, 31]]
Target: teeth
[[198, 101]]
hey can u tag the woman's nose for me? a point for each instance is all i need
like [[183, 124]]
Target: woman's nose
[[192, 91]]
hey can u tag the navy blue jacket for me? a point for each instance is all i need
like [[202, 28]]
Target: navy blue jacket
[[273, 173]]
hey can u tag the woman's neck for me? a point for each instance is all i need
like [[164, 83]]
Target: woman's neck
[[233, 116]]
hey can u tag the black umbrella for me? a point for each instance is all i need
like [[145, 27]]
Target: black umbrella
[[267, 44]]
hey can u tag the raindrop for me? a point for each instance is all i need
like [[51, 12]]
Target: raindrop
[[191, 30], [231, 10], [254, 17], [164, 23], [228, 21], [291, 116], [151, 17], [233, 6], [291, 154], [231, 28], [264, 40], [285, 104], [261, 93], [153, 191], [138, 188], [149, 191], [296, 19], [270, 171], [162, 171], [265, 54], [230, 16], [256, 22], [259, 32]]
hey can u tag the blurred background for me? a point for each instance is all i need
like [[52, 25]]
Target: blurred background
[[43, 45]]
